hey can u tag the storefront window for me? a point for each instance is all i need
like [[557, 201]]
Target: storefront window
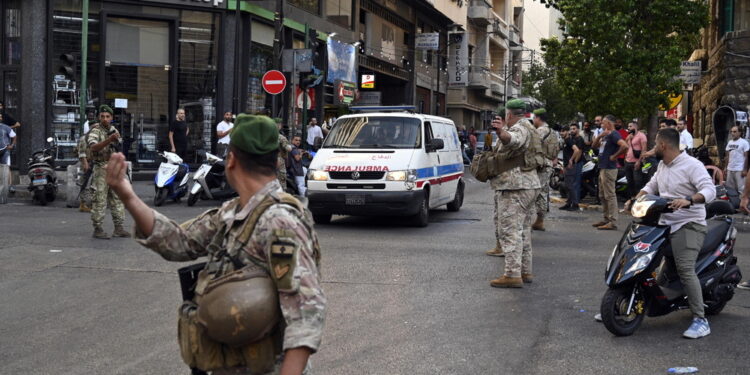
[[312, 6], [261, 60], [12, 32], [339, 12]]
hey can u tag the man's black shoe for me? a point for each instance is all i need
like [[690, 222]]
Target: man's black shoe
[[565, 207], [575, 207]]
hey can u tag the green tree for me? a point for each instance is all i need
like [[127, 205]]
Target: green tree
[[621, 56], [540, 82]]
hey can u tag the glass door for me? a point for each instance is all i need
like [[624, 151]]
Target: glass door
[[137, 82]]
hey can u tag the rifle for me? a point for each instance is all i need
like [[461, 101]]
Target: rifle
[[86, 178]]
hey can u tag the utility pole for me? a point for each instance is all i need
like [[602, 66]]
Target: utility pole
[[278, 46], [82, 97], [237, 68], [304, 89]]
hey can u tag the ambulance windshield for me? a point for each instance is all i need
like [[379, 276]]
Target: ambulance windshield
[[375, 132]]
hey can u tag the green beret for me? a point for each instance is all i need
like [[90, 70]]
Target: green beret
[[501, 110], [256, 135], [540, 111], [516, 104], [106, 108]]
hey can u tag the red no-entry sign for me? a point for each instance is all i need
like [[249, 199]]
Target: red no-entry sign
[[274, 82]]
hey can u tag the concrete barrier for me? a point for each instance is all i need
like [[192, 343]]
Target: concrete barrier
[[4, 183]]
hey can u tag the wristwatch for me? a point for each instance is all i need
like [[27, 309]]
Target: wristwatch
[[689, 199]]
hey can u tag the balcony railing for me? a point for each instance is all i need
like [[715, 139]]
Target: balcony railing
[[479, 79], [480, 12]]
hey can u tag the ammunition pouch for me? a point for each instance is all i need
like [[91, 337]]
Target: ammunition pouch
[[489, 164]]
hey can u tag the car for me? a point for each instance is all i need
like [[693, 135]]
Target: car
[[387, 163]]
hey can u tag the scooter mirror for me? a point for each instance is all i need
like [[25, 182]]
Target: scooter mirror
[[50, 139]]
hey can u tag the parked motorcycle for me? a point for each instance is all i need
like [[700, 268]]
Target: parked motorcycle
[[42, 176], [171, 179], [210, 181], [641, 273], [557, 177]]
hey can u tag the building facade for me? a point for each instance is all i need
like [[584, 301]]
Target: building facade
[[147, 58], [724, 89]]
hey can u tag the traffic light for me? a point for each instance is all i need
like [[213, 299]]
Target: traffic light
[[314, 45], [68, 65]]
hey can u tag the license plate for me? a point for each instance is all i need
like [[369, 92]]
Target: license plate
[[39, 181], [355, 200]]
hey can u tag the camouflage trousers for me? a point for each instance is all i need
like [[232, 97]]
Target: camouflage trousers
[[281, 172], [103, 197], [86, 194], [540, 203], [515, 210]]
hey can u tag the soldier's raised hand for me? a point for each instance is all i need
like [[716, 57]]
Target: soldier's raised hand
[[117, 167]]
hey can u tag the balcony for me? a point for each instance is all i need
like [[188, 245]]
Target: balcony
[[514, 38], [498, 30], [480, 12], [497, 84], [479, 78]]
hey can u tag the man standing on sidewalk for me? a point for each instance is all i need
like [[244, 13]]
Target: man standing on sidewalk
[[516, 187], [550, 148], [738, 161], [572, 157], [222, 133], [612, 146], [686, 139], [102, 140]]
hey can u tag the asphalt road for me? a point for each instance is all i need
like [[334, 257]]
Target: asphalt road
[[402, 300]]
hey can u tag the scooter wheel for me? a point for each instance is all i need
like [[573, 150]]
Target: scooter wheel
[[614, 311], [192, 199], [160, 197]]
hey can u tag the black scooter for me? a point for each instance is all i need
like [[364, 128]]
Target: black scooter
[[42, 176], [641, 273]]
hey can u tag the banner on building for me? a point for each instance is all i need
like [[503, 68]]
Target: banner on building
[[344, 92], [428, 41], [690, 72], [368, 81], [342, 62], [458, 59]]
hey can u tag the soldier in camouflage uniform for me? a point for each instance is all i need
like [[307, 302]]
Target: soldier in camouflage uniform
[[515, 192], [84, 157], [296, 276], [102, 140], [284, 148], [544, 172], [497, 251]]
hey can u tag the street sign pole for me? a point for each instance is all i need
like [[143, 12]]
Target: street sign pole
[[83, 98], [304, 89]]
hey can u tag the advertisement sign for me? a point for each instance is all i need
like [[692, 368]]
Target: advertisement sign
[[690, 72], [344, 92], [368, 81], [369, 98], [342, 62], [458, 59], [428, 41], [300, 100]]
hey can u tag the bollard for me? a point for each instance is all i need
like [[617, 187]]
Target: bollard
[[4, 183], [71, 186]]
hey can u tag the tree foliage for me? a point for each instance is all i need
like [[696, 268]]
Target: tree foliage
[[621, 56], [540, 82]]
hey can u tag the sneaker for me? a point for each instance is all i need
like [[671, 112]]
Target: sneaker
[[575, 207], [565, 207], [598, 317], [698, 329], [745, 285]]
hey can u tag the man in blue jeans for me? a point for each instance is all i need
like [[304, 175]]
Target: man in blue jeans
[[572, 157]]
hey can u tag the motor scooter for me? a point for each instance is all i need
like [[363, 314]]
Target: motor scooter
[[171, 180], [42, 176], [209, 181], [641, 273]]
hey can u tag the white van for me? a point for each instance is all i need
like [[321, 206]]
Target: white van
[[387, 163]]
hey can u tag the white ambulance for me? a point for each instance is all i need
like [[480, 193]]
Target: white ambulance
[[387, 161]]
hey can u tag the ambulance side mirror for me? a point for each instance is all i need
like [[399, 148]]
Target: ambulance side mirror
[[435, 144]]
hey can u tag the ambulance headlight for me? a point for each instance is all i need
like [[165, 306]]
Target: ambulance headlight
[[407, 175], [318, 175]]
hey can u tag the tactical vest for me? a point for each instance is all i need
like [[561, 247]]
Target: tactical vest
[[101, 156], [234, 319], [550, 144], [528, 159]]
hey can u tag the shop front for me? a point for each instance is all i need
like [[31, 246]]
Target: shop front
[[146, 59]]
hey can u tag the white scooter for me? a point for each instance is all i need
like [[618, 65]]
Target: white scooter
[[171, 179], [210, 181]]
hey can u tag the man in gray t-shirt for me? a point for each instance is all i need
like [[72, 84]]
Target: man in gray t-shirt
[[7, 142]]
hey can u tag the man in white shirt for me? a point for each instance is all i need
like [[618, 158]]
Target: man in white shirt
[[684, 179], [737, 165], [598, 130], [686, 138], [313, 131], [222, 133]]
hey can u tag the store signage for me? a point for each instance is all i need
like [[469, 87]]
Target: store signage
[[674, 101], [342, 61], [300, 100], [428, 41], [368, 81], [458, 59], [344, 92], [218, 4], [121, 103], [274, 82], [369, 98], [690, 72], [741, 117]]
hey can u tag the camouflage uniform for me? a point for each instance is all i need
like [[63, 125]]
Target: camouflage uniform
[[544, 174], [302, 301], [284, 149], [103, 196], [515, 192], [86, 195]]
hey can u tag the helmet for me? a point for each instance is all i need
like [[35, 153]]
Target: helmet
[[239, 308]]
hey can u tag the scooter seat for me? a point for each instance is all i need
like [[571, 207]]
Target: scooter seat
[[717, 230]]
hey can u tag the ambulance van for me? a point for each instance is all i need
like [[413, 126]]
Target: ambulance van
[[387, 163]]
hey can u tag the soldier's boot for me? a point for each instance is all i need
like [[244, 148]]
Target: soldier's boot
[[527, 278], [84, 208], [100, 233], [507, 282], [120, 232], [496, 252], [538, 224]]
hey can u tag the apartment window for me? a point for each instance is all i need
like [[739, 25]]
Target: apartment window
[[339, 12], [312, 6], [726, 16]]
